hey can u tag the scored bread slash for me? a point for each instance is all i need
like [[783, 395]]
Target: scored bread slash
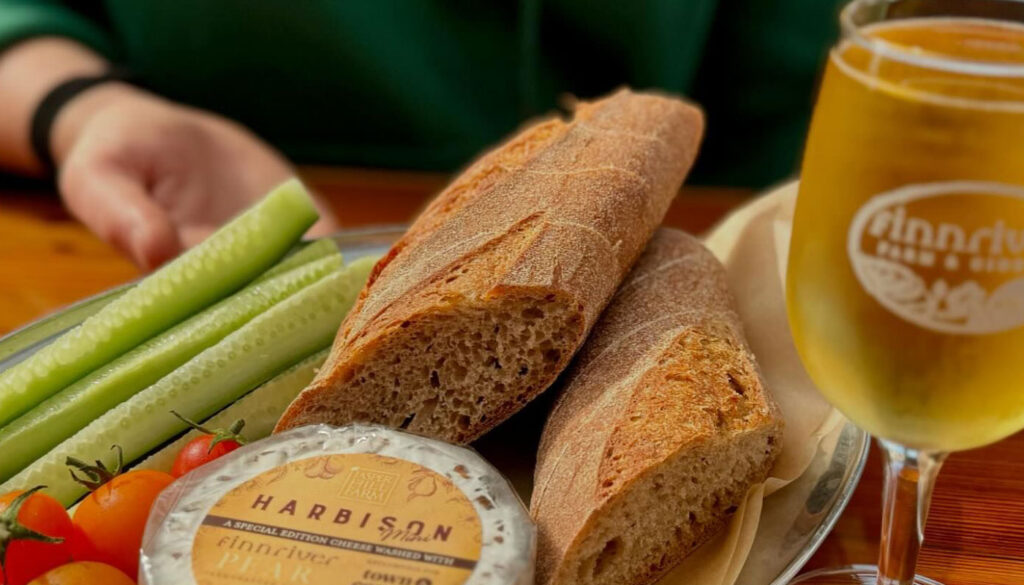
[[662, 428], [481, 304]]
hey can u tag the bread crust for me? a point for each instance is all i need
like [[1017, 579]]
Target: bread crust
[[557, 215], [665, 380]]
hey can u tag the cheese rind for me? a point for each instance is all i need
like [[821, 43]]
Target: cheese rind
[[329, 501]]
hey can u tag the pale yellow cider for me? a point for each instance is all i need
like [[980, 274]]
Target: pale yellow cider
[[906, 271]]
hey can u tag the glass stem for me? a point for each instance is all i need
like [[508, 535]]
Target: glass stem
[[909, 479]]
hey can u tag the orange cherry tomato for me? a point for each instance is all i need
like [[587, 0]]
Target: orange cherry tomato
[[86, 573], [28, 523], [109, 523]]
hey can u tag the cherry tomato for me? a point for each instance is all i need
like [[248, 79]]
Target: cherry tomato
[[109, 523], [199, 452], [86, 573], [32, 523], [207, 447]]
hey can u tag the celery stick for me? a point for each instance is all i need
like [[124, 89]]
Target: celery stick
[[304, 254], [37, 431], [222, 264], [18, 345], [260, 410], [295, 328], [38, 333], [363, 265]]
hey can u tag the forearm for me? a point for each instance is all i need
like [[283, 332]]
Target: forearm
[[28, 71]]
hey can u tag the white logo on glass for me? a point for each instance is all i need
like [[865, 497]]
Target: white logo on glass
[[941, 256]]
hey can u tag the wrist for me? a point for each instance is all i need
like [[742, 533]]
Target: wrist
[[29, 70], [75, 114]]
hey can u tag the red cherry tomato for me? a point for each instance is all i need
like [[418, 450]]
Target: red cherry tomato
[[199, 452], [29, 522], [206, 447], [109, 523]]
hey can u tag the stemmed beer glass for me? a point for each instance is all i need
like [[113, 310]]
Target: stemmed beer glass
[[905, 285]]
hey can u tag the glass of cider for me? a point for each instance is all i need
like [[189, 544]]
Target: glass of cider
[[905, 282]]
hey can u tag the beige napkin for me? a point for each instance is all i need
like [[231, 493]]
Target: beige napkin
[[753, 243]]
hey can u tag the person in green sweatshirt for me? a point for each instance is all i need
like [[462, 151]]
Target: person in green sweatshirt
[[162, 119]]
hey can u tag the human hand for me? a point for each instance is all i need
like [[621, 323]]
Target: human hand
[[153, 177]]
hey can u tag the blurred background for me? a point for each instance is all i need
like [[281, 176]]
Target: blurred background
[[131, 130], [427, 84]]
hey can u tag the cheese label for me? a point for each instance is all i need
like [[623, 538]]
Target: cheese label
[[346, 519]]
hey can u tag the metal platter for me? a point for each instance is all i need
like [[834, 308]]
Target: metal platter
[[795, 520]]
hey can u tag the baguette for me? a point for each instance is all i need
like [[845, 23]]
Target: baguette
[[663, 426], [482, 303]]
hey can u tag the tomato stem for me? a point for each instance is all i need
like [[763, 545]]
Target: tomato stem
[[233, 433], [95, 475], [12, 530]]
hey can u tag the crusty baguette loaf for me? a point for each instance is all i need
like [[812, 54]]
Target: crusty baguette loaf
[[661, 429], [483, 302]]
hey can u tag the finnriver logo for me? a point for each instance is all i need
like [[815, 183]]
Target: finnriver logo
[[947, 256]]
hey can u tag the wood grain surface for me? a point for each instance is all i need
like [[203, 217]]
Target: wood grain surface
[[975, 533]]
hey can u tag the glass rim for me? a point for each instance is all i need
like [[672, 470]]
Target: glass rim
[[852, 32]]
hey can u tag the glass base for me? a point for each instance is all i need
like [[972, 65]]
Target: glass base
[[851, 575]]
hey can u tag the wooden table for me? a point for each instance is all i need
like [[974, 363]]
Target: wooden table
[[975, 534]]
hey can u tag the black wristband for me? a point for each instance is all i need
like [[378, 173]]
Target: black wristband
[[51, 104]]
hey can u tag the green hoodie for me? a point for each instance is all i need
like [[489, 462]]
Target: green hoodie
[[429, 83]]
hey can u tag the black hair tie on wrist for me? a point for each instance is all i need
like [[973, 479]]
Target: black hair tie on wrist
[[51, 104]]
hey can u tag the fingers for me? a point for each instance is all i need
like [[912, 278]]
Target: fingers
[[194, 234], [275, 174], [328, 222], [116, 206]]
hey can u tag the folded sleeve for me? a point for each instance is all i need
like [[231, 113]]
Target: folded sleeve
[[23, 19]]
